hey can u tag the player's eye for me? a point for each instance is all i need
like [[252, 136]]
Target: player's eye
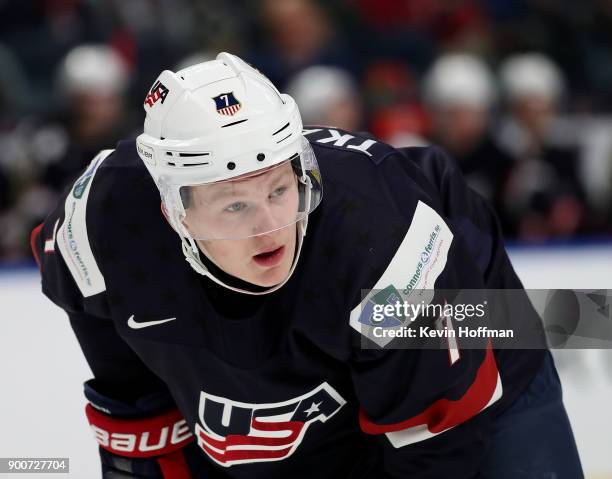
[[278, 191], [235, 207]]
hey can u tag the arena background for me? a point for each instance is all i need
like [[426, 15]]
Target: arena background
[[519, 91]]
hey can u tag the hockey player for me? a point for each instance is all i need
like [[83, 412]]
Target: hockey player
[[247, 360]]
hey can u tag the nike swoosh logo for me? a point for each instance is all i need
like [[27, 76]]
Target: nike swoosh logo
[[145, 324]]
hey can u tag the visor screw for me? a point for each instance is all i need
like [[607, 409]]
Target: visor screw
[[231, 165], [261, 157]]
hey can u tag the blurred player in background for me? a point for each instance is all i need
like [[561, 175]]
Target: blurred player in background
[[92, 80], [48, 153], [327, 96], [460, 93], [545, 196]]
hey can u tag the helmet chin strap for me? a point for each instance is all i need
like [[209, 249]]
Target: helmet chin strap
[[192, 256]]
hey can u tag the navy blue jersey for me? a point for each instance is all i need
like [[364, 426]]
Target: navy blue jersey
[[279, 385]]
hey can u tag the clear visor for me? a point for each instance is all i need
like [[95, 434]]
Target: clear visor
[[254, 204]]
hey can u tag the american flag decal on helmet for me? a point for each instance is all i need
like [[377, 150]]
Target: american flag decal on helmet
[[232, 432], [227, 104]]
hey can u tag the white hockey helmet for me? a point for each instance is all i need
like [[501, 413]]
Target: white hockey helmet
[[93, 67], [459, 79], [209, 127], [531, 74]]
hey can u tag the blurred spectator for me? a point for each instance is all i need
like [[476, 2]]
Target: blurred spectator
[[151, 35], [459, 92], [389, 82], [415, 30], [576, 35], [400, 125], [545, 196], [14, 86], [355, 64], [91, 82], [299, 34], [47, 154], [395, 113], [14, 97], [41, 32], [327, 96], [533, 87]]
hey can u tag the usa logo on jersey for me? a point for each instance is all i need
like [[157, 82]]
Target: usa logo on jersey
[[234, 432], [227, 104]]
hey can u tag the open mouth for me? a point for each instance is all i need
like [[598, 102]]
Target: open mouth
[[270, 258]]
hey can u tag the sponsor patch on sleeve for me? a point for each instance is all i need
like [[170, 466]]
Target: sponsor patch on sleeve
[[72, 239], [411, 274]]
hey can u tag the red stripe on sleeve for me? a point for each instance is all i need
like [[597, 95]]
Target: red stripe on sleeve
[[35, 232], [444, 413]]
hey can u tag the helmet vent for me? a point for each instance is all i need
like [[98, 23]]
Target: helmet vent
[[193, 155], [187, 165], [284, 138], [184, 164], [278, 131], [188, 155], [234, 123], [196, 164]]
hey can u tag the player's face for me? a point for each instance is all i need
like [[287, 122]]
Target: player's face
[[255, 218]]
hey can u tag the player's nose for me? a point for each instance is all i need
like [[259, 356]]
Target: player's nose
[[266, 220]]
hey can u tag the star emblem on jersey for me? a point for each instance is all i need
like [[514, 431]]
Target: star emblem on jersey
[[232, 432], [314, 407], [227, 104]]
